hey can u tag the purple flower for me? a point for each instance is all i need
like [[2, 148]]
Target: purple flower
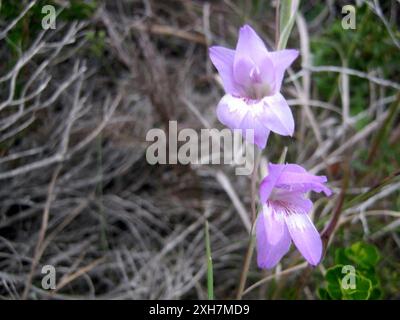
[[252, 78], [284, 216]]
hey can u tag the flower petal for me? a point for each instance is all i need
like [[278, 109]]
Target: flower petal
[[250, 45], [305, 236], [273, 239], [296, 178], [278, 117], [257, 81], [282, 59], [268, 183], [237, 113], [293, 198], [242, 70], [266, 72], [222, 58]]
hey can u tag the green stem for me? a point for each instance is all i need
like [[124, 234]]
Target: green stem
[[210, 276], [250, 246]]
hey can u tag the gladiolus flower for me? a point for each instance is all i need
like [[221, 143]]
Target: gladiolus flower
[[284, 216], [252, 78]]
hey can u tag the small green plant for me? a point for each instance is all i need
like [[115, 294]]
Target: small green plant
[[361, 260]]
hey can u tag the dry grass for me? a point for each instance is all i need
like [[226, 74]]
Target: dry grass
[[76, 190]]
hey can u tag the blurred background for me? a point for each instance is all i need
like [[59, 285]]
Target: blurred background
[[77, 193]]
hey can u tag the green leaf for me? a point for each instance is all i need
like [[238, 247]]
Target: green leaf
[[371, 275], [363, 289], [360, 254], [341, 257], [364, 255], [333, 278], [336, 289], [287, 16]]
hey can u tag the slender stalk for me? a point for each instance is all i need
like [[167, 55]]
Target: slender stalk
[[246, 266], [250, 247], [257, 158], [210, 276], [277, 27]]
